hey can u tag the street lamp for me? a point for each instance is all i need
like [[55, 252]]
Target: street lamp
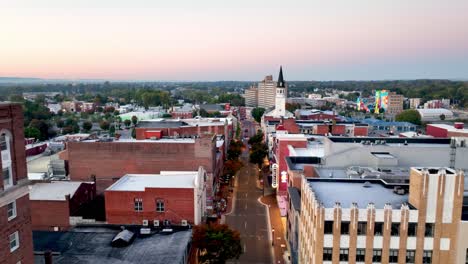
[[272, 236]]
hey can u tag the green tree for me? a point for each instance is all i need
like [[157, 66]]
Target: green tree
[[257, 113], [87, 125], [133, 133], [134, 120], [442, 117], [112, 130], [293, 107], [216, 243], [127, 122], [238, 130], [42, 126], [104, 125], [32, 132], [258, 153], [409, 115], [60, 123]]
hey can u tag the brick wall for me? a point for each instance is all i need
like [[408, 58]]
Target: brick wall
[[179, 205], [22, 224], [46, 215], [180, 131], [108, 161]]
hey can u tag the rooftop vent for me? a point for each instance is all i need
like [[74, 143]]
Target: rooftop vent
[[398, 190], [367, 184]]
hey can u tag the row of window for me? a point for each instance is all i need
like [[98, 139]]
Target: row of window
[[138, 205], [378, 229], [377, 255]]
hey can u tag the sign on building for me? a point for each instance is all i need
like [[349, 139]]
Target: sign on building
[[274, 175]]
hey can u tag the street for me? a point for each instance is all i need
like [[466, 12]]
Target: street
[[249, 217]]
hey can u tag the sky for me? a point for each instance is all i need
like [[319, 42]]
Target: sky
[[210, 40]]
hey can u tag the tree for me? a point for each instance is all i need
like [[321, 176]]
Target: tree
[[166, 115], [60, 123], [258, 138], [234, 150], [112, 130], [42, 126], [410, 115], [293, 107], [134, 120], [67, 130], [442, 117], [258, 153], [87, 125], [104, 125], [32, 132], [238, 130], [216, 243], [257, 113], [133, 133], [127, 122]]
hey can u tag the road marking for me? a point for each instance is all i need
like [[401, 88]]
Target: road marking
[[245, 206], [245, 225], [245, 248]]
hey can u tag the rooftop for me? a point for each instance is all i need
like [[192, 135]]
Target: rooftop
[[162, 140], [93, 245], [346, 192], [449, 128], [166, 179], [393, 140], [378, 122], [53, 191]]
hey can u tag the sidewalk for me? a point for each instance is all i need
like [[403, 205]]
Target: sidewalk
[[278, 236]]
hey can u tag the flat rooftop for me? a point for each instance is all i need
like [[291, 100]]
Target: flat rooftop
[[392, 140], [173, 179], [131, 140], [450, 128], [53, 191], [346, 192], [93, 245]]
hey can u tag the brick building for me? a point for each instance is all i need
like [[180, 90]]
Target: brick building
[[168, 198], [53, 203], [15, 216], [106, 162], [444, 131], [369, 221]]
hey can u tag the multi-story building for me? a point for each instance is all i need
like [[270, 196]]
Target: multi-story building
[[174, 197], [444, 131], [372, 221], [15, 216], [414, 102], [266, 92], [251, 96], [395, 103]]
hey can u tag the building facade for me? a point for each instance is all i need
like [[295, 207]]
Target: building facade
[[266, 93], [15, 216], [395, 103], [377, 222], [251, 96], [170, 198]]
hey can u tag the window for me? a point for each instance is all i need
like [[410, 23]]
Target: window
[[344, 228], [3, 142], [429, 232], [138, 204], [360, 254], [14, 241], [7, 177], [159, 205], [11, 210], [327, 253], [377, 255], [412, 229], [393, 256], [378, 228], [344, 254], [361, 228], [328, 228], [410, 256], [427, 256], [395, 229]]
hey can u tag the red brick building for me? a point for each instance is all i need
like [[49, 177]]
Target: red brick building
[[15, 217], [106, 162], [445, 131], [172, 197], [53, 203]]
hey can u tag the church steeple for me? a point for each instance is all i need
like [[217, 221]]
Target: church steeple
[[280, 79]]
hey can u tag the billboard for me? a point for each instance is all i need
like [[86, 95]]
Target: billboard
[[378, 104]]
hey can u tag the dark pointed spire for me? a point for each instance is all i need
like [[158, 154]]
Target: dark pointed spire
[[280, 78]]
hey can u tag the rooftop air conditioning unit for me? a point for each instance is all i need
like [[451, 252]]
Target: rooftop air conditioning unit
[[155, 222], [167, 222], [145, 231], [153, 138], [184, 222], [145, 222]]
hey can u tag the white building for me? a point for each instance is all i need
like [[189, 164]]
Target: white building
[[435, 114]]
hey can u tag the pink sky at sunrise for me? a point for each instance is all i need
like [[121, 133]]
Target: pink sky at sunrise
[[336, 40]]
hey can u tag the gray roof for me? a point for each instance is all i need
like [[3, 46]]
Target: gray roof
[[346, 192], [161, 124], [93, 245], [295, 197]]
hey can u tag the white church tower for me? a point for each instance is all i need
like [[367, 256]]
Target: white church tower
[[281, 92]]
